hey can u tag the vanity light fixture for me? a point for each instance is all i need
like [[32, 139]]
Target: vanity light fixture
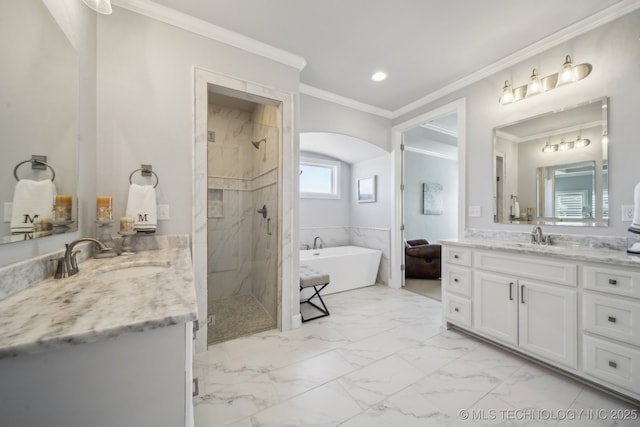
[[507, 93], [566, 145], [100, 6], [535, 85], [569, 73], [548, 148]]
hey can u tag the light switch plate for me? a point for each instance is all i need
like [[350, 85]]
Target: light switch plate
[[627, 213], [475, 211], [163, 212]]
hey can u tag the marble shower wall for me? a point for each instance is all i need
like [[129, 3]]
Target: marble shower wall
[[242, 257], [265, 193], [373, 238]]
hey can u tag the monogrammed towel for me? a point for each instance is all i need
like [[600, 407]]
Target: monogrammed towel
[[141, 206]]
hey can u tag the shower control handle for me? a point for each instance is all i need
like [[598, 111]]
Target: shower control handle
[[263, 211]]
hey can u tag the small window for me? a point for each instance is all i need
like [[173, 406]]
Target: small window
[[319, 179]]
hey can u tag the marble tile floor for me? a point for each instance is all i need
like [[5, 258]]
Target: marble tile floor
[[382, 359], [236, 317], [426, 287]]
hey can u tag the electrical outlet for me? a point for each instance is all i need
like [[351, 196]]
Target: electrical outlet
[[163, 212], [475, 211], [627, 213]]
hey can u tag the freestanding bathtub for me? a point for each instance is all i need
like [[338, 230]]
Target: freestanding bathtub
[[349, 267]]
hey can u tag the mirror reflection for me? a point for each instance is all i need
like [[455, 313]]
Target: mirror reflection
[[553, 168], [38, 123]]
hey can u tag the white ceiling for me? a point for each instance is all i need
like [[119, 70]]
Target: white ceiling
[[423, 45]]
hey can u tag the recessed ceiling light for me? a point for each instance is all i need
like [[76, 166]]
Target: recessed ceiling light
[[378, 76]]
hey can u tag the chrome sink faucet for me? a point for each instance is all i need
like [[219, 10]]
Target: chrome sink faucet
[[537, 237], [68, 266], [315, 242]]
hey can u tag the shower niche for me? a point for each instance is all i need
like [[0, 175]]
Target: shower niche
[[242, 247]]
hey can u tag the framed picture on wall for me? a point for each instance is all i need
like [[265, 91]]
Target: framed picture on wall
[[432, 198], [367, 190]]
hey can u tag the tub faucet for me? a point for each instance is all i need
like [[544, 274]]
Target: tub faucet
[[68, 266], [315, 242]]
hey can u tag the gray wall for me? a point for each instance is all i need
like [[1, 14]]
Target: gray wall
[[613, 52], [328, 212], [317, 115], [145, 104], [378, 214]]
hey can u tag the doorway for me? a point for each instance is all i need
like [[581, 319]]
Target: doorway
[[399, 210], [262, 185]]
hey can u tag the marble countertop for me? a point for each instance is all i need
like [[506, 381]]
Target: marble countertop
[[575, 253], [93, 305]]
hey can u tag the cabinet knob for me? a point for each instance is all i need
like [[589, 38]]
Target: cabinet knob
[[456, 309], [456, 256], [613, 364], [455, 280], [611, 319], [613, 282]]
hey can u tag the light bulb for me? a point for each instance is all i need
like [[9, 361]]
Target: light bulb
[[535, 86], [567, 73], [507, 93]]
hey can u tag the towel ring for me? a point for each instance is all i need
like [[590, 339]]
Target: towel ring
[[15, 170], [145, 170]]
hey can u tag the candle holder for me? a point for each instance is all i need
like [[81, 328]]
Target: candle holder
[[126, 242], [104, 233], [60, 227]]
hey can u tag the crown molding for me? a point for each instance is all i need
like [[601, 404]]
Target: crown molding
[[429, 153], [344, 101], [172, 17], [439, 129], [203, 28]]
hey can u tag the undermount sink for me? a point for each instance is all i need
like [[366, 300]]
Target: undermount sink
[[532, 246], [130, 270]]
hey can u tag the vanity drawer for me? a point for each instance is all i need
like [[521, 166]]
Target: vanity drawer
[[458, 310], [458, 280], [530, 267], [617, 281], [612, 362], [459, 256], [611, 317]]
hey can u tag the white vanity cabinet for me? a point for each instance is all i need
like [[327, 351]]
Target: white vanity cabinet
[[538, 317], [456, 295], [578, 311], [610, 317]]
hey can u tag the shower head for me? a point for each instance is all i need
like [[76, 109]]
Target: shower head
[[256, 144]]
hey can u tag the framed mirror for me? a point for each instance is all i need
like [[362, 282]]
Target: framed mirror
[[38, 120], [553, 168]]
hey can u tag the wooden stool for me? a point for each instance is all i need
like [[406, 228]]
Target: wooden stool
[[310, 278]]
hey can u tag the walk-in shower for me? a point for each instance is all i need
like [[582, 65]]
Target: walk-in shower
[[242, 208]]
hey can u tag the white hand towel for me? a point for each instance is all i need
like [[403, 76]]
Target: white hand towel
[[141, 206], [515, 208], [31, 200]]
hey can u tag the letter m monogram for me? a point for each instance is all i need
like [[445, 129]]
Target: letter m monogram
[[28, 219], [142, 218]]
